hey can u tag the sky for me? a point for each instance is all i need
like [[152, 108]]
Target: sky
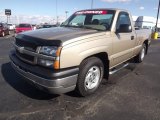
[[46, 9]]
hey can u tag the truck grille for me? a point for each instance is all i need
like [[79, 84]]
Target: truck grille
[[27, 45], [25, 57]]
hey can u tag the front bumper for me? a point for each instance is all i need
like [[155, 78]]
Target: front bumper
[[48, 80]]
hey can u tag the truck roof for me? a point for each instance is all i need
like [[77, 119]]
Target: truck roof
[[116, 9]]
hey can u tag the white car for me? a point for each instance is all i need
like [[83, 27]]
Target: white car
[[11, 26]]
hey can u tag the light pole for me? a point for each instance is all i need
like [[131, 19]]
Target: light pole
[[56, 13], [91, 4], [66, 14], [157, 16]]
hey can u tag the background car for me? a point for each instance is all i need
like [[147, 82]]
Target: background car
[[4, 30], [47, 26], [23, 27], [11, 26]]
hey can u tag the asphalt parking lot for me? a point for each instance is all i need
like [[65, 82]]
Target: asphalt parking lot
[[131, 94]]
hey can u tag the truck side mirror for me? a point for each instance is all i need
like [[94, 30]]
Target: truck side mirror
[[124, 28]]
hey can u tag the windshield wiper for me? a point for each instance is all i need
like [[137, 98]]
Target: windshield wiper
[[69, 26], [81, 26]]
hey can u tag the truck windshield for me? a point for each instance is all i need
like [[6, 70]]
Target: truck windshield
[[91, 19]]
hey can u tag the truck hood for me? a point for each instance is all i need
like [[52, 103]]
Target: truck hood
[[51, 35], [59, 33]]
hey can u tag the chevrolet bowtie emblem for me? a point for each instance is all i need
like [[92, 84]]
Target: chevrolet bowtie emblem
[[20, 49]]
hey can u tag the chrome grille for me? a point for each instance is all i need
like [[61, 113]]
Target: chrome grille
[[29, 56], [25, 56], [22, 47]]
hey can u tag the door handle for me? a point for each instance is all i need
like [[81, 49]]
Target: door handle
[[132, 37]]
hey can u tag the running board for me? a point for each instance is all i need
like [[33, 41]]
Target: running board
[[114, 70]]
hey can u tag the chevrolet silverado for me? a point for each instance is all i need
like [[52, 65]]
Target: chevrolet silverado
[[81, 52]]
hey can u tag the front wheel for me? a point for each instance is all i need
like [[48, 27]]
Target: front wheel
[[90, 76], [140, 57]]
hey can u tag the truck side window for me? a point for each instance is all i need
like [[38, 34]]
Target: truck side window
[[123, 19], [103, 18]]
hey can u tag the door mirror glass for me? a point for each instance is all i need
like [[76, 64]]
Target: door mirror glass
[[124, 28]]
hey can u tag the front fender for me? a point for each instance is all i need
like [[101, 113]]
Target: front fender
[[74, 55]]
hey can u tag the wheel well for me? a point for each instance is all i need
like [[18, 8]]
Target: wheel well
[[146, 43], [103, 56]]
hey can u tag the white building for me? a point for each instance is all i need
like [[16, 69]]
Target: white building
[[145, 22], [134, 18]]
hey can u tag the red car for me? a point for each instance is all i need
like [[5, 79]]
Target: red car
[[23, 27], [4, 30]]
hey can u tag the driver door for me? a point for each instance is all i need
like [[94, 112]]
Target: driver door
[[123, 42]]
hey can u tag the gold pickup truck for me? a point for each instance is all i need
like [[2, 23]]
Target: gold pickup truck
[[81, 52]]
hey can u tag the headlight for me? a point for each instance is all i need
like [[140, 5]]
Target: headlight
[[50, 51]]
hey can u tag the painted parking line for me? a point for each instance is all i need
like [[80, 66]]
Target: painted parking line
[[3, 58], [9, 36], [6, 37]]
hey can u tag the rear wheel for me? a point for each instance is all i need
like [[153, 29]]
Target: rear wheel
[[140, 57], [90, 76]]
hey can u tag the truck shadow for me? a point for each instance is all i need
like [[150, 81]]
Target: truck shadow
[[17, 82]]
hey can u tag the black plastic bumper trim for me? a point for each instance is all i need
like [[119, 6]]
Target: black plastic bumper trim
[[42, 71]]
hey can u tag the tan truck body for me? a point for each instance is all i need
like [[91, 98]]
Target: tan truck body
[[80, 44], [118, 50]]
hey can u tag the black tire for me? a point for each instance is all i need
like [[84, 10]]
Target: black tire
[[139, 58], [85, 66]]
